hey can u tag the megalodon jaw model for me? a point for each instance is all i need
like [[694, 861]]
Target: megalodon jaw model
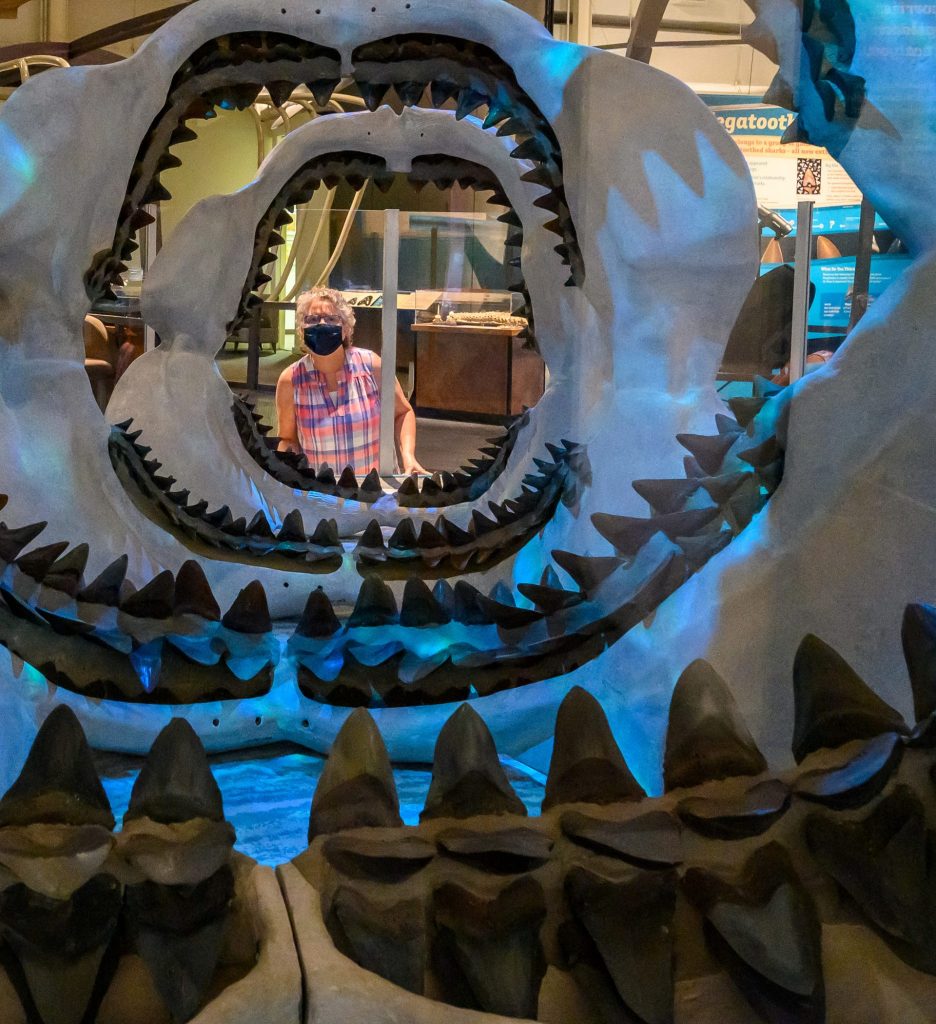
[[200, 579]]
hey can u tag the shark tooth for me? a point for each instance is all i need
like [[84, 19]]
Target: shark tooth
[[858, 780], [832, 703], [280, 92], [766, 933], [762, 454], [628, 534], [698, 550], [736, 817], [179, 931], [356, 788], [347, 481], [326, 534], [375, 606], [193, 593], [156, 600], [66, 574], [441, 92], [378, 860], [260, 527], [706, 738], [318, 618], [709, 451], [468, 101], [720, 488], [250, 612], [409, 488], [491, 946], [587, 765], [403, 537], [550, 599], [666, 495], [12, 542], [387, 939], [469, 607], [727, 424], [744, 503], [509, 851], [651, 840], [59, 945], [176, 784], [37, 562], [630, 924], [918, 636], [419, 607], [410, 93], [105, 588], [587, 571], [58, 784], [745, 409], [467, 777], [372, 538]]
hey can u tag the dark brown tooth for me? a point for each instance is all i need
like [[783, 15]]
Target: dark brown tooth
[[429, 536], [430, 489], [469, 607], [12, 542], [404, 536], [326, 534], [833, 705], [441, 92], [454, 535], [550, 599], [409, 487], [763, 454], [375, 606], [280, 92], [918, 635], [721, 488], [589, 573], [371, 483], [193, 594], [250, 612], [347, 481], [154, 601], [293, 528], [356, 788], [373, 93], [371, 538], [67, 574], [326, 476], [37, 563], [260, 527], [587, 765], [105, 589], [322, 89], [629, 534], [410, 93], [745, 409], [467, 777], [666, 495], [220, 518], [420, 608], [706, 738], [698, 550], [708, 451], [468, 102], [318, 617]]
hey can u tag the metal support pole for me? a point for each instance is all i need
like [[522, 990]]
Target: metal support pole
[[862, 282], [391, 277], [802, 258], [150, 248], [253, 350]]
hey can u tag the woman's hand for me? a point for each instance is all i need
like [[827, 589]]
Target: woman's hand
[[411, 466]]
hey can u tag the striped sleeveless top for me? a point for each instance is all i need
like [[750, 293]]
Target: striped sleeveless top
[[343, 430]]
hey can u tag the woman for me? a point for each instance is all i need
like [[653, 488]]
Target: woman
[[328, 403]]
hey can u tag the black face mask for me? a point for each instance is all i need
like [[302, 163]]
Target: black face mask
[[323, 339]]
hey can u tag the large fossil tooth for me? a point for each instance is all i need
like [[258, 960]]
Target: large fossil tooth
[[105, 588], [766, 933], [373, 93], [386, 939], [419, 607], [12, 542], [587, 765], [698, 550], [706, 737], [260, 527], [587, 571], [550, 599], [628, 534], [156, 600], [371, 539], [468, 102], [651, 840], [708, 451], [762, 454], [193, 594], [745, 409], [631, 926], [918, 636], [356, 788], [736, 817], [326, 534], [441, 91], [318, 618], [176, 784], [378, 860], [666, 495], [58, 783], [862, 776], [375, 606], [37, 562], [347, 481], [250, 612], [832, 703], [469, 607], [280, 92], [490, 949], [404, 536], [410, 93], [59, 946], [322, 89], [67, 573], [510, 851], [467, 777]]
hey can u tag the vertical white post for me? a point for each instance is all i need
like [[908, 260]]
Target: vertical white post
[[391, 277], [150, 249], [802, 258]]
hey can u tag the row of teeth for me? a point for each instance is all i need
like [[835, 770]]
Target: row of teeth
[[123, 893], [356, 169], [441, 548], [441, 490], [342, 662], [478, 897], [231, 71]]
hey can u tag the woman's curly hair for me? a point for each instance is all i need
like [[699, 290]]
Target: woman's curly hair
[[344, 311]]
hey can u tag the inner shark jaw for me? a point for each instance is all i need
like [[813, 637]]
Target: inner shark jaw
[[231, 70]]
